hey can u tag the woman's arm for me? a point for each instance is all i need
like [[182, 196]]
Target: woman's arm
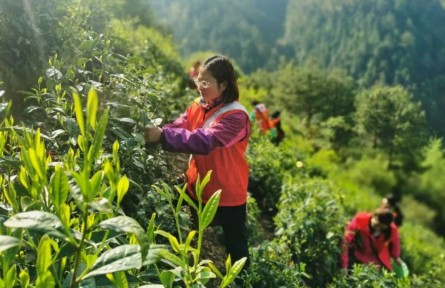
[[226, 132]]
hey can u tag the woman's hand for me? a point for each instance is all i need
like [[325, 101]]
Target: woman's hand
[[152, 134]]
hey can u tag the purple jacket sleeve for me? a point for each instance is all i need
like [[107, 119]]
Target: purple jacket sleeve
[[181, 122], [228, 131]]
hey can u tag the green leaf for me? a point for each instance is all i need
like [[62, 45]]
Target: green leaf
[[128, 225], [101, 205], [35, 162], [79, 112], [24, 278], [183, 194], [92, 105], [36, 221], [95, 183], [43, 256], [7, 242], [233, 272], [167, 278], [59, 188], [98, 137], [200, 185], [121, 258], [172, 239], [215, 270], [171, 259], [10, 276], [151, 228], [120, 279], [122, 188], [82, 183], [209, 210], [205, 275], [190, 237]]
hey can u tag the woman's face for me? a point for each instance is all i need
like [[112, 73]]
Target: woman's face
[[208, 86]]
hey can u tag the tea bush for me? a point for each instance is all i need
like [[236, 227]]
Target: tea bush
[[272, 266], [311, 222], [269, 165]]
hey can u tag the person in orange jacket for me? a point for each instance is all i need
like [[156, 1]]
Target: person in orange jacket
[[260, 115], [215, 130], [371, 238]]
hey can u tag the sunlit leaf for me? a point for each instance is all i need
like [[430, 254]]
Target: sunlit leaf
[[7, 242], [59, 188], [209, 210], [121, 258], [98, 137], [38, 221], [128, 225], [92, 106], [122, 188], [79, 112]]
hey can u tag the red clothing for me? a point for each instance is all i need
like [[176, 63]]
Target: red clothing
[[368, 248], [218, 139], [262, 115]]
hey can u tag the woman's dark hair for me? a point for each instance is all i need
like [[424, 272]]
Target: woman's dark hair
[[222, 70], [392, 200], [384, 216]]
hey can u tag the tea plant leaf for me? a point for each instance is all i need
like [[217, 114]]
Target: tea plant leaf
[[233, 272], [101, 205], [167, 278], [83, 185], [79, 113], [119, 279], [190, 237], [10, 276], [183, 194], [59, 188], [7, 242], [38, 221], [122, 188], [209, 210], [123, 258], [35, 162], [128, 225], [171, 259], [95, 183], [93, 153], [172, 239], [43, 255], [24, 278], [92, 105], [215, 270], [203, 183]]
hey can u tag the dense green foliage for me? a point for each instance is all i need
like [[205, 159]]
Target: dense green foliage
[[374, 41], [247, 31]]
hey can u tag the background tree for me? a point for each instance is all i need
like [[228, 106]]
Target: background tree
[[313, 93], [390, 121]]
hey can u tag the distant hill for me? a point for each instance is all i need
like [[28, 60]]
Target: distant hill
[[376, 41], [246, 30]]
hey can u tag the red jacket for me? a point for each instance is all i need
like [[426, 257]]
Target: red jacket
[[367, 248], [217, 138]]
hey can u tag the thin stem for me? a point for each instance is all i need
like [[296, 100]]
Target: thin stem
[[79, 250]]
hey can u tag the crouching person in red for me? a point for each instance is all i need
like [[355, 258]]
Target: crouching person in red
[[371, 238]]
